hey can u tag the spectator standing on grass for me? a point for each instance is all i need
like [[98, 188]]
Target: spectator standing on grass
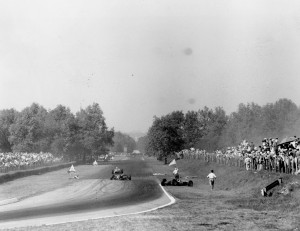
[[247, 162], [297, 159], [267, 160], [176, 174], [281, 163], [259, 162], [287, 163], [211, 178]]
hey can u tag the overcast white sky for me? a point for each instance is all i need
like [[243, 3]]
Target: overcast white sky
[[140, 58]]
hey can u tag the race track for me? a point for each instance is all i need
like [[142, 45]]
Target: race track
[[91, 197]]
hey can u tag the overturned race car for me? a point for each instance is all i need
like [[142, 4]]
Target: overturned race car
[[175, 182]]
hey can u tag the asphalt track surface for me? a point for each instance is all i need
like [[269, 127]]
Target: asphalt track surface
[[93, 196]]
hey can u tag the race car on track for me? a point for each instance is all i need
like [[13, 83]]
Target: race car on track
[[117, 174], [176, 182], [120, 177], [117, 170]]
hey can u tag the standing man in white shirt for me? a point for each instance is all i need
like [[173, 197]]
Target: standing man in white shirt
[[211, 177], [247, 162], [176, 174]]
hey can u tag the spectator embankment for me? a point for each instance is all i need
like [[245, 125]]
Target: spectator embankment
[[37, 171]]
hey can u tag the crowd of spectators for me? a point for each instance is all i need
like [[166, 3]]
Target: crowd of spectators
[[20, 161], [191, 153], [271, 155]]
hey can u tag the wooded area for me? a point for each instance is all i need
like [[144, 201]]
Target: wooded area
[[35, 129], [121, 141], [212, 129]]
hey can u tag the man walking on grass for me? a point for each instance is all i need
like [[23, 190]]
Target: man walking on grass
[[211, 177], [176, 174]]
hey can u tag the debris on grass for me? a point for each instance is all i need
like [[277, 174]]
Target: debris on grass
[[289, 188], [191, 177], [159, 174]]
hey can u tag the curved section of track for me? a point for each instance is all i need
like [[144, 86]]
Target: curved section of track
[[89, 199]]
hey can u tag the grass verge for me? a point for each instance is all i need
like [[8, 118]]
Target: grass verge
[[235, 204]]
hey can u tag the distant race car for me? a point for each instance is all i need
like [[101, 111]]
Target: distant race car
[[120, 177], [175, 182]]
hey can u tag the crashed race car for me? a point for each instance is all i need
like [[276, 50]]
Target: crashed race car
[[176, 182], [120, 177]]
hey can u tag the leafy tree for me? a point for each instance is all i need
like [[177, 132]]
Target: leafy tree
[[57, 128], [94, 135], [7, 118], [193, 129], [27, 134], [287, 113], [248, 119], [73, 147], [204, 117], [123, 140], [278, 119], [165, 136], [253, 122], [213, 123], [141, 143]]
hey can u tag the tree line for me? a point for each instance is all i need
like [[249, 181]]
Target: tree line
[[78, 136], [123, 142], [213, 129]]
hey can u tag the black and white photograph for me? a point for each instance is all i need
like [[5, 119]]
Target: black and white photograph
[[143, 115]]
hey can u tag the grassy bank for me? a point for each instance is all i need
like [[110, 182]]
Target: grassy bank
[[5, 177], [235, 204], [244, 185]]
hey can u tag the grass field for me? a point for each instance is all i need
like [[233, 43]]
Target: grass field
[[235, 204]]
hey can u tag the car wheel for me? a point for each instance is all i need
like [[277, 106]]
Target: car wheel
[[174, 182], [129, 177], [163, 182], [190, 183]]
